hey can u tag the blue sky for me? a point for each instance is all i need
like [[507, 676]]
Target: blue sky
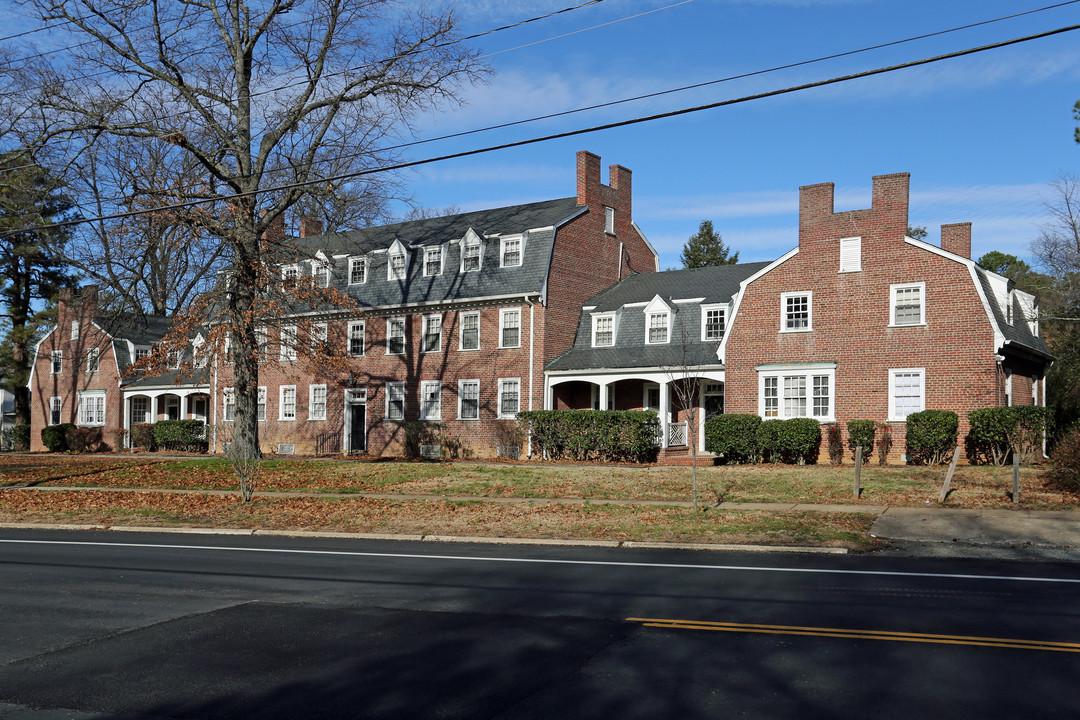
[[981, 136]]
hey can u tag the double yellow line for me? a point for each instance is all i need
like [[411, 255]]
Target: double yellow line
[[858, 634]]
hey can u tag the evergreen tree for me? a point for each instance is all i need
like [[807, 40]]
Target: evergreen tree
[[31, 267], [706, 248]]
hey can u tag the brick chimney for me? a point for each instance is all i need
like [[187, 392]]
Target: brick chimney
[[593, 193], [956, 238], [310, 227], [274, 235], [820, 226]]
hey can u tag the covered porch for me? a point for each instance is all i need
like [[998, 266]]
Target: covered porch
[[674, 395], [149, 405]]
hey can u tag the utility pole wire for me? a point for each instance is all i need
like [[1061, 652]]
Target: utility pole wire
[[570, 133]]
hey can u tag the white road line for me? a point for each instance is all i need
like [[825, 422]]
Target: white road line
[[547, 561]]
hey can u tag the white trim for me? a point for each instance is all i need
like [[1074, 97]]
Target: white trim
[[261, 402], [852, 264], [287, 338], [430, 249], [461, 392], [499, 409], [461, 330], [595, 320], [311, 401], [649, 245], [59, 411], [320, 337], [893, 288], [609, 220], [386, 410], [784, 297], [503, 240], [893, 372], [424, 333], [705, 310], [99, 396], [503, 314], [281, 403], [228, 400], [666, 315], [426, 412], [808, 373], [96, 354], [390, 321], [349, 338], [53, 357], [472, 239], [353, 262], [321, 263]]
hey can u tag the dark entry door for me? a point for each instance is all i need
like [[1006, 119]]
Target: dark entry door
[[358, 428]]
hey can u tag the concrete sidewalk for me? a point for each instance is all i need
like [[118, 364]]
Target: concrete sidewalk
[[1046, 528]]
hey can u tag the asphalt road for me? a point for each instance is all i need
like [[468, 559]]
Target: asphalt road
[[122, 625]]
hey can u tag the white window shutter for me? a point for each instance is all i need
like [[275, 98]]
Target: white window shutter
[[851, 254]]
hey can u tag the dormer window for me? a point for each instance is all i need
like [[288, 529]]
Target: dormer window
[[470, 252], [713, 321], [511, 251], [357, 271], [289, 275], [433, 261], [395, 267], [173, 359], [657, 328], [198, 353], [320, 273], [603, 331]]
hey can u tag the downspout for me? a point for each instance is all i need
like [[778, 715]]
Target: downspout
[[213, 406], [532, 350]]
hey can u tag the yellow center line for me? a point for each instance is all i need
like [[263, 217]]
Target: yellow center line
[[858, 634]]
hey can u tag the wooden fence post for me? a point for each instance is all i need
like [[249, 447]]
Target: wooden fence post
[[858, 470], [1016, 477], [948, 475]]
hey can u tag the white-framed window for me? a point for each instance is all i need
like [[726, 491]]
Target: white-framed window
[[140, 410], [656, 328], [510, 251], [260, 408], [316, 402], [432, 333], [907, 392], [290, 275], [468, 399], [198, 353], [56, 406], [287, 402], [603, 330], [140, 353], [509, 397], [797, 391], [356, 338], [56, 362], [92, 409], [470, 331], [287, 351], [908, 304], [395, 336], [395, 267], [796, 311], [430, 400], [433, 257], [395, 401], [609, 220], [262, 343], [228, 405], [510, 328], [74, 329], [320, 273], [470, 253], [172, 359], [713, 322], [851, 254], [93, 359], [320, 333], [357, 270]]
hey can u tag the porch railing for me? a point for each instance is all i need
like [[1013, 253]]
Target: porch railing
[[328, 443], [676, 434]]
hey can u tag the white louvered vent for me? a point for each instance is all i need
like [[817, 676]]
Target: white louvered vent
[[851, 254]]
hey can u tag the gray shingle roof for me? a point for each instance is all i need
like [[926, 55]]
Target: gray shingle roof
[[1017, 333]]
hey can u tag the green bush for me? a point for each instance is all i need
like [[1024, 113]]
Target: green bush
[[835, 438], [142, 436], [768, 440], [998, 432], [861, 433], [84, 439], [54, 437], [1033, 423], [1065, 460], [733, 436], [20, 438], [931, 436], [799, 440], [609, 435], [180, 435]]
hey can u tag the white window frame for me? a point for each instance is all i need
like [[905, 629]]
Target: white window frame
[[391, 322], [97, 408], [262, 344], [260, 404], [404, 270], [609, 220], [461, 399], [503, 242], [465, 245], [431, 409], [597, 319], [173, 359], [807, 374], [313, 404], [893, 289], [504, 314], [56, 405], [354, 325], [198, 357], [461, 330], [282, 416], [290, 274], [503, 382], [93, 360], [428, 253], [850, 255], [893, 373], [429, 320], [320, 335], [390, 388], [705, 310], [784, 297], [287, 343], [666, 314], [143, 412], [228, 404], [324, 267], [56, 362], [354, 263]]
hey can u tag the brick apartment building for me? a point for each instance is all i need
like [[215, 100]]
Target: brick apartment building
[[456, 319]]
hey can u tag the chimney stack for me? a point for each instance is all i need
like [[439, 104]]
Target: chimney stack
[[956, 238], [274, 234], [310, 227]]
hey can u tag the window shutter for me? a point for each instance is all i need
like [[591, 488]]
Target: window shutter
[[851, 254]]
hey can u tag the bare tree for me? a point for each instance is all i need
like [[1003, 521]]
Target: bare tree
[[264, 99], [1058, 245]]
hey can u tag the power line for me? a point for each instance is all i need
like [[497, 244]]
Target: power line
[[573, 133]]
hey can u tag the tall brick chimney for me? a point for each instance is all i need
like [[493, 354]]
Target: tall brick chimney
[[274, 235], [310, 227], [820, 226], [956, 238]]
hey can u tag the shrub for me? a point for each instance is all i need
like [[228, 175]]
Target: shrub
[[1065, 460], [884, 443], [768, 440], [84, 439], [799, 440], [611, 435], [836, 443], [987, 441], [142, 436], [420, 432], [180, 435], [931, 436], [54, 437], [20, 438], [1033, 423], [733, 436], [861, 433]]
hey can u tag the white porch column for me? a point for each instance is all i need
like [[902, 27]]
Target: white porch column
[[603, 395], [125, 407], [665, 413]]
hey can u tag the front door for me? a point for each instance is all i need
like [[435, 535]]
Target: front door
[[172, 408], [714, 399], [357, 427]]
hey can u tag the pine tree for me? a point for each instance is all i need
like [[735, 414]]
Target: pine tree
[[706, 248]]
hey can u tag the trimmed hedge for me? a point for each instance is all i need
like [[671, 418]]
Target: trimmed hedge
[[768, 441], [610, 435], [54, 437], [931, 436], [861, 433], [733, 436], [142, 436], [180, 435], [799, 440], [20, 438], [998, 432]]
